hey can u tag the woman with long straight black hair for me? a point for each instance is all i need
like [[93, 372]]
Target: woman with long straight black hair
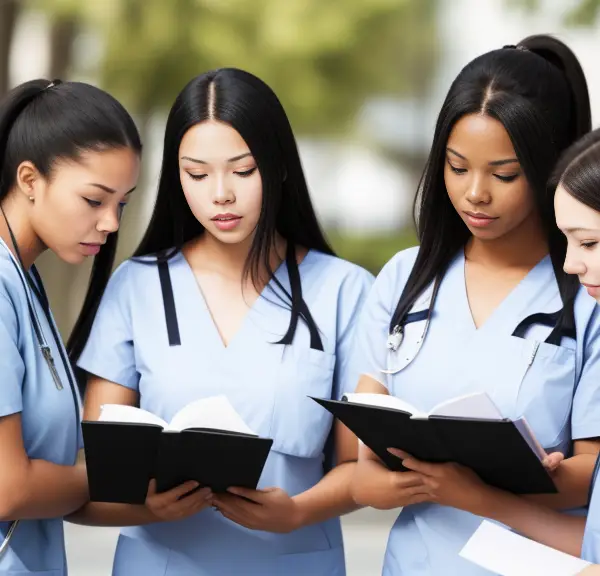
[[483, 304], [234, 291]]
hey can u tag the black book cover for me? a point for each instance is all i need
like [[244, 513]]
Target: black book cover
[[495, 450], [122, 458]]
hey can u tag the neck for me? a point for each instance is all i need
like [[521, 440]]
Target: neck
[[17, 215], [230, 259], [507, 251]]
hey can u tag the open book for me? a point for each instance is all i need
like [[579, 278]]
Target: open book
[[469, 430], [505, 553], [206, 441], [214, 413], [478, 406]]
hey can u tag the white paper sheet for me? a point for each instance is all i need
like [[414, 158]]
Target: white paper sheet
[[503, 552]]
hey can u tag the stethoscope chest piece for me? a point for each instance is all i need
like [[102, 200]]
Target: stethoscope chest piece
[[407, 337]]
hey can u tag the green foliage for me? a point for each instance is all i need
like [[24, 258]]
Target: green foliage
[[371, 251], [584, 14], [321, 58]]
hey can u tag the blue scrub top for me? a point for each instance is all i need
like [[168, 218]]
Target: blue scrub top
[[267, 383], [48, 417], [591, 538], [558, 393]]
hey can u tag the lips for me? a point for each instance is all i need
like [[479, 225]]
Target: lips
[[479, 219], [480, 216], [225, 217], [90, 249]]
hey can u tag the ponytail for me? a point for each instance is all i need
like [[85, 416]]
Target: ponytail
[[579, 123], [561, 56], [11, 107]]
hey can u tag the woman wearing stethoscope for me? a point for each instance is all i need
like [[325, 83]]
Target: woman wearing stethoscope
[[577, 203], [483, 303], [69, 155]]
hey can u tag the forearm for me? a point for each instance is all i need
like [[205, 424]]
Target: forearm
[[593, 570], [370, 486], [555, 529], [329, 498], [48, 490], [114, 515], [572, 479]]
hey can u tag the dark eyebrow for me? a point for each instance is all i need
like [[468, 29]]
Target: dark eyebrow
[[579, 229], [456, 153], [234, 159], [493, 163], [502, 162], [107, 189]]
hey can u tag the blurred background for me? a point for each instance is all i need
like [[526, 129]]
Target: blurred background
[[362, 82]]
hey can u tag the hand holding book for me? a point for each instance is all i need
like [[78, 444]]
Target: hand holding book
[[270, 509], [468, 430], [180, 502], [451, 484]]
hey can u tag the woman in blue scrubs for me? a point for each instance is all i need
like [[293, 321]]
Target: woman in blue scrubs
[[483, 305], [234, 290], [577, 209], [69, 157]]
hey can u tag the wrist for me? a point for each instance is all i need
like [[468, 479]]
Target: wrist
[[299, 516], [147, 516]]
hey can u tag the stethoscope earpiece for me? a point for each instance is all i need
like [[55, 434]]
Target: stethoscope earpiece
[[395, 338]]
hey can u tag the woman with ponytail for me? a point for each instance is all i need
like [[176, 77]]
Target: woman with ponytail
[[234, 291], [483, 304], [69, 159], [576, 182]]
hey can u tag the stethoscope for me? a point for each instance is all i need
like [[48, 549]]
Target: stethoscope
[[37, 288], [426, 302]]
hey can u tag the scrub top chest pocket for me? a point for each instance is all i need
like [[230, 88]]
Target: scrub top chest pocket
[[537, 382], [300, 426]]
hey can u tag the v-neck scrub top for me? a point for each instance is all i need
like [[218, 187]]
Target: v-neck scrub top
[[267, 383], [555, 387]]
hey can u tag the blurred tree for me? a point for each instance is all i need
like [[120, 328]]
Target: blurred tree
[[322, 58], [9, 13], [372, 251]]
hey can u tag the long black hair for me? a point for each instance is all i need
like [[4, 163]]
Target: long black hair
[[42, 122], [578, 170], [538, 92], [248, 105]]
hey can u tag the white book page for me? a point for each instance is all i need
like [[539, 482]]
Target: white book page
[[128, 414], [214, 412], [383, 401], [527, 433], [508, 554], [478, 405]]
